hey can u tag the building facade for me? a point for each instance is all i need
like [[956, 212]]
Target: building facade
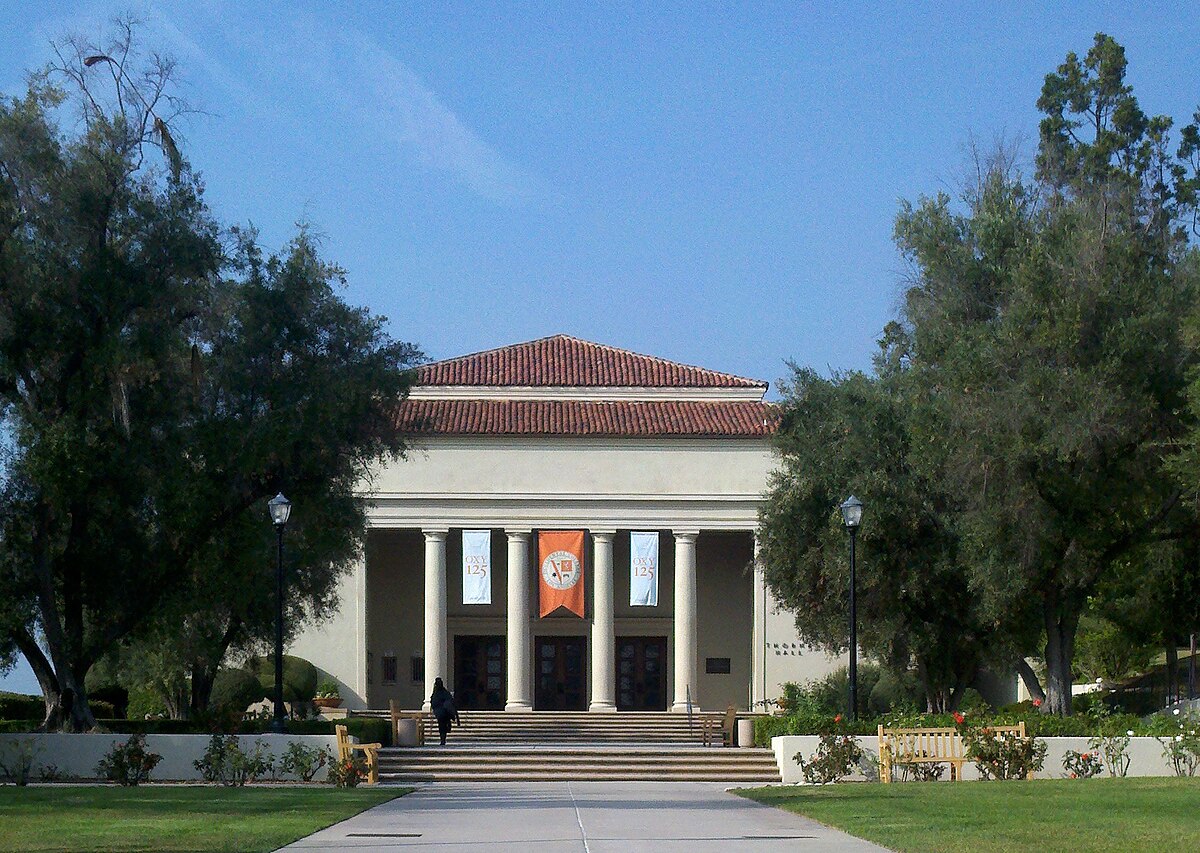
[[561, 434]]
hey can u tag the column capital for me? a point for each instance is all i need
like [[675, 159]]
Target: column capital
[[685, 534], [608, 534], [433, 534], [518, 533]]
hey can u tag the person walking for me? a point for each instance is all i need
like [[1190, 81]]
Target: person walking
[[441, 703]]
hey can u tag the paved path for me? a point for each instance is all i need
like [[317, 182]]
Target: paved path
[[582, 817]]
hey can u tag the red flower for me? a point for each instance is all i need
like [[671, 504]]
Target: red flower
[[1037, 703], [838, 718], [958, 718]]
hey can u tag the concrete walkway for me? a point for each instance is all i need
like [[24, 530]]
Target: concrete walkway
[[582, 817]]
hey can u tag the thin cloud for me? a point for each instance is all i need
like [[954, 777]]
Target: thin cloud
[[393, 96], [307, 71]]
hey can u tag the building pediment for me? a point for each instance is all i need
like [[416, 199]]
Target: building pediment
[[561, 361]]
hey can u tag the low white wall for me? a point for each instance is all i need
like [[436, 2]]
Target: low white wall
[[76, 755], [1145, 756]]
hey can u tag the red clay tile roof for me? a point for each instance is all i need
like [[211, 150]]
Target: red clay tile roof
[[635, 419], [565, 361]]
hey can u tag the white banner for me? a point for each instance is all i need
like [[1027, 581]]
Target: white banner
[[643, 569], [477, 567]]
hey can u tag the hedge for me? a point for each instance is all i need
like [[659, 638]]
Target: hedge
[[366, 729], [19, 706], [22, 706], [1036, 724]]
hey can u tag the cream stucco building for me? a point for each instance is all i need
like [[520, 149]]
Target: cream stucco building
[[564, 434]]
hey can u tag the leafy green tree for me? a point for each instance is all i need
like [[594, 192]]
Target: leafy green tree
[[851, 434], [1043, 329], [158, 388]]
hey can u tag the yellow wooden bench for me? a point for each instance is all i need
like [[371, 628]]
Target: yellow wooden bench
[[717, 726], [929, 746], [371, 750], [398, 715]]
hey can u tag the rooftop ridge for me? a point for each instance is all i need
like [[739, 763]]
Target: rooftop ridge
[[566, 361]]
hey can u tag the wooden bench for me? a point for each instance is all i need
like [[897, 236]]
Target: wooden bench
[[398, 715], [717, 726], [929, 746], [346, 750]]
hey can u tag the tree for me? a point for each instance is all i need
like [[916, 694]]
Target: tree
[[157, 388], [851, 434], [1043, 326]]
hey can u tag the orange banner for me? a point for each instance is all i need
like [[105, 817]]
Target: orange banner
[[560, 576]]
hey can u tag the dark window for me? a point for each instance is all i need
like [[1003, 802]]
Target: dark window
[[370, 668], [418, 669], [716, 666], [389, 669]]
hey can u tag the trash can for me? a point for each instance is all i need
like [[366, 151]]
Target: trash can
[[745, 732], [406, 732]]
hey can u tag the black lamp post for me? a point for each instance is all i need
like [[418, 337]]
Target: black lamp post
[[852, 517], [280, 509]]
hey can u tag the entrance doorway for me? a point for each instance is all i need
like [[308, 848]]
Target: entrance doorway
[[641, 673], [479, 673], [561, 683]]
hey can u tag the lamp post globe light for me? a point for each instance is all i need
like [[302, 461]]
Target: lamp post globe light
[[852, 510], [280, 509]]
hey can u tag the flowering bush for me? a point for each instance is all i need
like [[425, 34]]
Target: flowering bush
[[304, 761], [347, 773], [226, 762], [918, 771], [328, 690], [1003, 755], [128, 763], [17, 761], [1081, 765], [1182, 748]]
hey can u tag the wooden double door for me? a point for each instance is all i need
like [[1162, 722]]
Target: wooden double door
[[641, 673], [560, 674], [479, 673], [560, 666]]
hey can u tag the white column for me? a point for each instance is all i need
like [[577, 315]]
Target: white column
[[435, 610], [518, 642], [758, 654], [604, 639], [685, 619], [359, 579]]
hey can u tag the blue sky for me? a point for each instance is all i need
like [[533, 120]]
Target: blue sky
[[712, 183]]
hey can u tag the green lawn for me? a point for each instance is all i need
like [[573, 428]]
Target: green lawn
[[1044, 814], [172, 819]]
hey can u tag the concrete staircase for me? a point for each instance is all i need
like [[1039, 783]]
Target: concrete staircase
[[506, 763], [531, 727], [540, 746]]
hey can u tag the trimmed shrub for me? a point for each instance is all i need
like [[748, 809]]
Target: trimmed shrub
[[234, 690], [299, 677], [101, 709], [102, 686]]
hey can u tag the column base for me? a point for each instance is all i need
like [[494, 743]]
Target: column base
[[681, 708], [518, 706], [603, 707]]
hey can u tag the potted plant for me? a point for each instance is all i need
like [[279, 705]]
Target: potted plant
[[328, 695]]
